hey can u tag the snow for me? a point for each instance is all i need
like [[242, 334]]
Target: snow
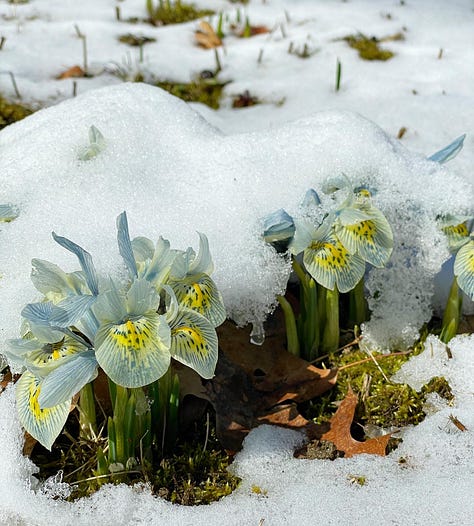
[[176, 173], [427, 480]]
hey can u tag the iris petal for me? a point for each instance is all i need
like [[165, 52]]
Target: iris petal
[[194, 342], [44, 424], [200, 293], [330, 264], [464, 268], [135, 352]]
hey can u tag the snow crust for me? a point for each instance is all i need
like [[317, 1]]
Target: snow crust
[[427, 480]]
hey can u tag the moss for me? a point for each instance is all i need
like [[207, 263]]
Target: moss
[[11, 112], [165, 12], [206, 91], [368, 48], [381, 403], [135, 40], [189, 475]]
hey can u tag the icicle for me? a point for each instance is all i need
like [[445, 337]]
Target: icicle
[[257, 336]]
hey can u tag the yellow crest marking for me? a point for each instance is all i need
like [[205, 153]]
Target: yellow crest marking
[[132, 335], [330, 255], [33, 394], [192, 339]]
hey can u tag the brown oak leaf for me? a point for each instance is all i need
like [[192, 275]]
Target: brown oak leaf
[[206, 37], [73, 72], [340, 431], [257, 385]]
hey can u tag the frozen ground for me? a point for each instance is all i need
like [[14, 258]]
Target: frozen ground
[[174, 174]]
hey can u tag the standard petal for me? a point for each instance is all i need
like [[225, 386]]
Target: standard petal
[[68, 379], [448, 152], [200, 293], [44, 424], [142, 297], [70, 310], [464, 268], [194, 342], [85, 259], [136, 352], [125, 245], [158, 269], [202, 262], [304, 234]]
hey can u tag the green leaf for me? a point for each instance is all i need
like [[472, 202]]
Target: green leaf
[[42, 424]]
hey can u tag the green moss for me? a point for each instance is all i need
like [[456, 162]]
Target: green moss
[[135, 40], [195, 472], [11, 112], [164, 12], [206, 91], [381, 403], [368, 48]]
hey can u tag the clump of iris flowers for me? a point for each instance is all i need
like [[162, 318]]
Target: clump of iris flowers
[[166, 310]]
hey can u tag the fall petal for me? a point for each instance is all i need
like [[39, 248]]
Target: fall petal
[[194, 343], [200, 293], [136, 352], [464, 268], [42, 424]]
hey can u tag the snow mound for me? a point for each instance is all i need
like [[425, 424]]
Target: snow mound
[[175, 174]]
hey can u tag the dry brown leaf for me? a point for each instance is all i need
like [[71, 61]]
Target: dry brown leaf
[[340, 431], [7, 378], [261, 384], [256, 30], [206, 36], [73, 72]]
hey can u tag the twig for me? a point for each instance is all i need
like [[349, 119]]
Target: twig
[[124, 472], [359, 362], [15, 87], [356, 341]]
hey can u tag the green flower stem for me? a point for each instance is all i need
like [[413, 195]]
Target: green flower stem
[[358, 309], [292, 342], [112, 441], [87, 415], [308, 322], [330, 341], [452, 313], [164, 410]]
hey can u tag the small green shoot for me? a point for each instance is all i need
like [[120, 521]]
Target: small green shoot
[[96, 145], [338, 75]]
